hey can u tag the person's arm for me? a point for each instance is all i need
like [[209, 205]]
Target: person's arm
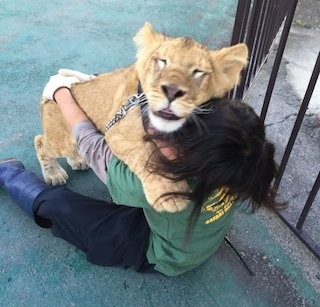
[[91, 143], [70, 109]]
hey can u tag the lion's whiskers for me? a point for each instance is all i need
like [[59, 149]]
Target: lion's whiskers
[[204, 109]]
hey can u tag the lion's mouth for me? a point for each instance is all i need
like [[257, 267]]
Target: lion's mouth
[[166, 114]]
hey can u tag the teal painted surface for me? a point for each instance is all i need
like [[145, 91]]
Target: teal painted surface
[[38, 37]]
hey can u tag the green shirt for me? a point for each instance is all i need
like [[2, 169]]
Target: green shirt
[[167, 248]]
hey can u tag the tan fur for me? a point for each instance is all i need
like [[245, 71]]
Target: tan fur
[[201, 74]]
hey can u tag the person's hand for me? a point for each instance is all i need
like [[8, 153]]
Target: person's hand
[[64, 79], [56, 82], [74, 73]]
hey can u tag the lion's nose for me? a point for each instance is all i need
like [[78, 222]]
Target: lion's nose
[[172, 91]]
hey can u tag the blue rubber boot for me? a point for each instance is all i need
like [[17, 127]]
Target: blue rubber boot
[[22, 185]]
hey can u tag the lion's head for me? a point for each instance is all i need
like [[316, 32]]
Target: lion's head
[[179, 74]]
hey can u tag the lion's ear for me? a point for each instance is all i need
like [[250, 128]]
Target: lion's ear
[[229, 62], [146, 37]]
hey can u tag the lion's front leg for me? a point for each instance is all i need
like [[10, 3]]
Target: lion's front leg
[[125, 140], [154, 186]]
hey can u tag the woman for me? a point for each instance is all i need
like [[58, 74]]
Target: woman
[[222, 153]]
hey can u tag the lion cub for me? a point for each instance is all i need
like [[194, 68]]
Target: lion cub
[[177, 75]]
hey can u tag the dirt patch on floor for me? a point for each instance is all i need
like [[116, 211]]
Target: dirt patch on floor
[[307, 14]]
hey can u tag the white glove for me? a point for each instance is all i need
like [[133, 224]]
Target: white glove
[[74, 73], [56, 82]]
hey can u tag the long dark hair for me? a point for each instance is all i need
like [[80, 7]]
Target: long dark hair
[[224, 145]]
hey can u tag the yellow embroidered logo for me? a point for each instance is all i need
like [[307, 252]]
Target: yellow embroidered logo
[[218, 203]]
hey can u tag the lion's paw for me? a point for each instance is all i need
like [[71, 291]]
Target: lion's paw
[[54, 174], [173, 204], [78, 164], [156, 186]]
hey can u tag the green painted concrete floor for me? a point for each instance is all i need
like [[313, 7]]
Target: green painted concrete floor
[[38, 37]]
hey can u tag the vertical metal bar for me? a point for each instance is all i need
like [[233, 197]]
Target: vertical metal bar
[[263, 50], [239, 32], [256, 41], [272, 30], [245, 20], [309, 202], [260, 37], [277, 60], [249, 40], [239, 23], [298, 122]]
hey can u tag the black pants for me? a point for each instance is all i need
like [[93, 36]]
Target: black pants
[[110, 235]]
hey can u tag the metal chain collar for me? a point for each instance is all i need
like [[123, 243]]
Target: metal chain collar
[[137, 99]]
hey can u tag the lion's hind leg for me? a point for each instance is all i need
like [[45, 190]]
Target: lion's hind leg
[[52, 171], [47, 154]]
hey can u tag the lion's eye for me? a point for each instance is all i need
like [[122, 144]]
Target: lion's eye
[[197, 73], [162, 63]]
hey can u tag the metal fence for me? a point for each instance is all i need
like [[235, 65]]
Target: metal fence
[[257, 24]]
